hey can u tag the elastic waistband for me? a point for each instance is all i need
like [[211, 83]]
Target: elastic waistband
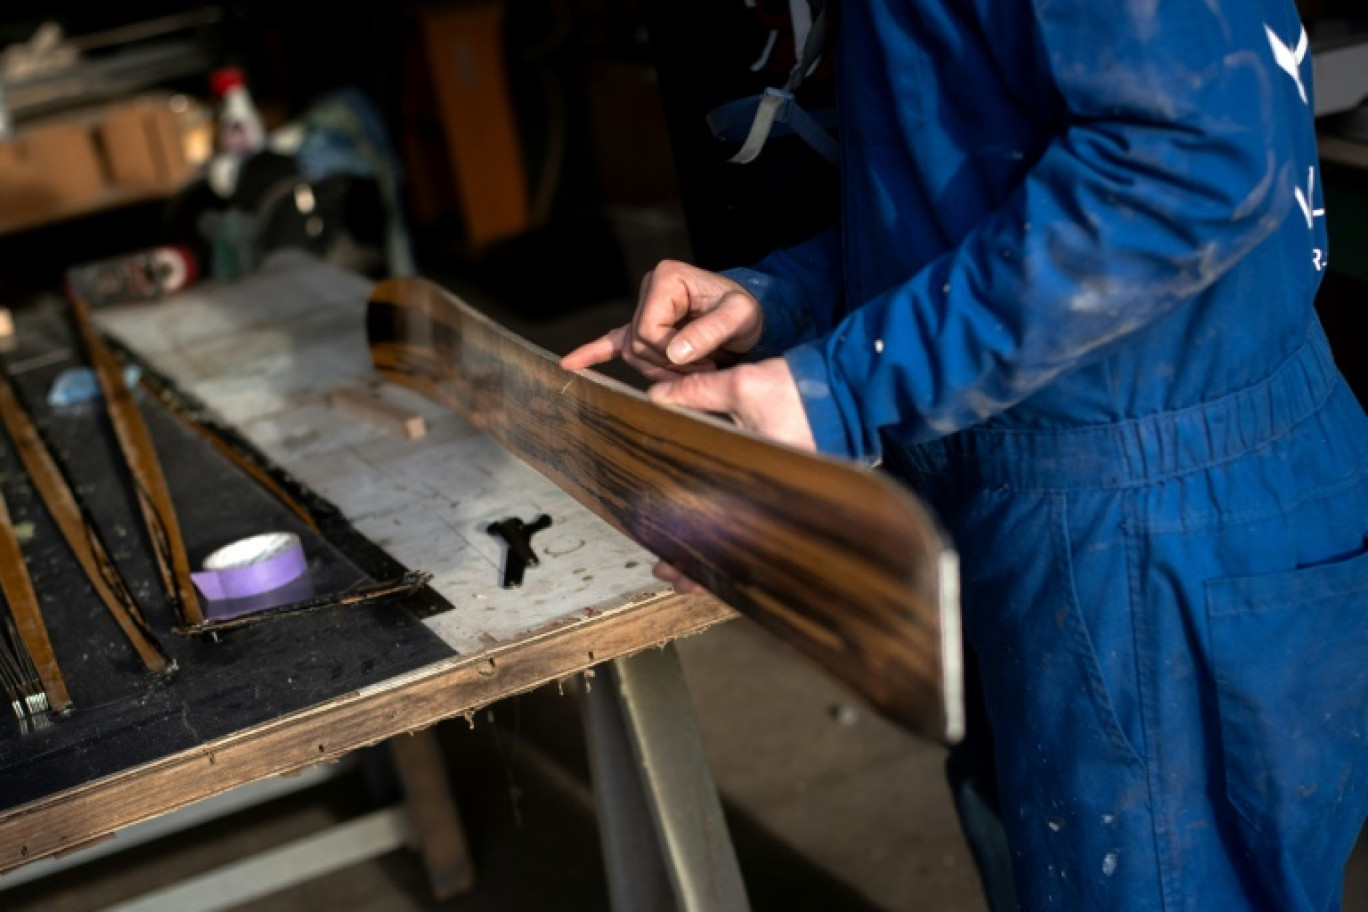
[[1141, 450]]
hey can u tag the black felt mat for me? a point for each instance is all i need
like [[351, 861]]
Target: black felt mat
[[123, 717]]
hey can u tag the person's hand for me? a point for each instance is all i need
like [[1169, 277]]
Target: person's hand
[[687, 320], [760, 397], [681, 583]]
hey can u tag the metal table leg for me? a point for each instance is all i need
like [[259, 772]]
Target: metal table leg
[[665, 842]]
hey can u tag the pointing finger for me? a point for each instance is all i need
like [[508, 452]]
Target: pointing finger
[[604, 348]]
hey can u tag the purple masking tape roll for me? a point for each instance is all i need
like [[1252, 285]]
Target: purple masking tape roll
[[251, 566]]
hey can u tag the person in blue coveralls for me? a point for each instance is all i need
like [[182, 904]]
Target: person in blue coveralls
[[1069, 302]]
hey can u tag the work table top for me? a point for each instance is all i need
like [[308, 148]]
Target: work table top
[[260, 357]]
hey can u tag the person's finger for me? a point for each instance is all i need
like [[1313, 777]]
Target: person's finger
[[734, 322], [605, 348], [761, 398], [649, 362], [654, 372], [671, 294], [645, 350], [705, 392], [658, 374], [670, 574]]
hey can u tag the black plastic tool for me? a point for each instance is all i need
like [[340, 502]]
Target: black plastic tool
[[518, 553]]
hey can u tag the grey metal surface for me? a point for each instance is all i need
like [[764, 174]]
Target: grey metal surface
[[631, 852], [295, 862], [660, 814], [1341, 74], [101, 79]]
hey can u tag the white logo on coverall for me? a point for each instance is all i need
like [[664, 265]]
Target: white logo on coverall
[[1290, 61]]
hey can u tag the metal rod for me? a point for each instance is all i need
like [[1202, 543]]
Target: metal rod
[[139, 31]]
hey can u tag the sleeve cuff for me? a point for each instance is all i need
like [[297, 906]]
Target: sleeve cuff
[[811, 373], [787, 320]]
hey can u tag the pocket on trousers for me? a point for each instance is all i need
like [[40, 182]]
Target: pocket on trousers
[[1289, 656]]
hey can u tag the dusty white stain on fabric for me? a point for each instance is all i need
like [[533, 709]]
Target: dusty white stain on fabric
[[1109, 864], [1089, 300], [1257, 199], [1143, 17]]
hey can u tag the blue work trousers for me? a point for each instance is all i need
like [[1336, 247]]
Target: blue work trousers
[[1171, 615]]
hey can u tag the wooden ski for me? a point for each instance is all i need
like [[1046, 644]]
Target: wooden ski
[[17, 586], [149, 482], [835, 560], [79, 532]]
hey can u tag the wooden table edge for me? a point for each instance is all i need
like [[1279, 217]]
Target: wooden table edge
[[96, 810]]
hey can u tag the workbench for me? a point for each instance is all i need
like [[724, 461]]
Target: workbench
[[253, 366]]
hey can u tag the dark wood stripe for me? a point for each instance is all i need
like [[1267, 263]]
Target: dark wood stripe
[[832, 558]]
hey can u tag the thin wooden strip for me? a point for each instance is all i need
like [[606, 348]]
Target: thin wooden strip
[[836, 560], [169, 398], [361, 595], [28, 617], [77, 529], [154, 497]]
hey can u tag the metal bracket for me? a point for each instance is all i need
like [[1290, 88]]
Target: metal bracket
[[665, 841]]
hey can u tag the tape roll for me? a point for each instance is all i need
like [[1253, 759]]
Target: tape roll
[[251, 566]]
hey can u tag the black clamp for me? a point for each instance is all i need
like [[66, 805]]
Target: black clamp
[[518, 553]]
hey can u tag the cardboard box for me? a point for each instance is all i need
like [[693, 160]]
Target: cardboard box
[[49, 168], [143, 146], [89, 160]]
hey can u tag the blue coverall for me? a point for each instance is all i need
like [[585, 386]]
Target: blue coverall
[[1070, 302]]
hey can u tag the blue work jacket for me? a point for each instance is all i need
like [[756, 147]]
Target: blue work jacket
[[1055, 213], [1069, 301]]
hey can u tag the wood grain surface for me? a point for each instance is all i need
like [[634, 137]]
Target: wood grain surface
[[149, 482], [96, 810], [17, 585], [836, 560], [80, 535]]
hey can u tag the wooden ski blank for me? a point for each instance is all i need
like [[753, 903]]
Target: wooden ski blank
[[80, 535], [154, 497], [835, 560], [28, 617]]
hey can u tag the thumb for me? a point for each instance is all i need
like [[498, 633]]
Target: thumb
[[707, 392], [735, 320]]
